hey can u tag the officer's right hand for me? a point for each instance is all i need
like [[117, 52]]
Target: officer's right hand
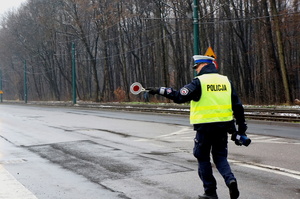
[[152, 91]]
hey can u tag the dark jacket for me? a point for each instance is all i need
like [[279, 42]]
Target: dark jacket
[[192, 91]]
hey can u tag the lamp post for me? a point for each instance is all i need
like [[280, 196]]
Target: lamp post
[[196, 28], [73, 74], [25, 82]]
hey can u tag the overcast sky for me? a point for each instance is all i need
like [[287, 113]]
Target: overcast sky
[[6, 5]]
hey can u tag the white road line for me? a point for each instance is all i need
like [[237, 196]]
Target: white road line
[[259, 137], [268, 168], [11, 188], [184, 130]]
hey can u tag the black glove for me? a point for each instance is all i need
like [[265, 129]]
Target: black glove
[[231, 127], [152, 91], [242, 127], [233, 138]]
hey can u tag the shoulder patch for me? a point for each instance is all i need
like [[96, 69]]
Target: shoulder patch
[[184, 91]]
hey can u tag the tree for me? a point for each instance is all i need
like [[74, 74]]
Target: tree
[[120, 42]]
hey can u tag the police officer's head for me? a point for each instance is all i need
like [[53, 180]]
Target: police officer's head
[[200, 61]]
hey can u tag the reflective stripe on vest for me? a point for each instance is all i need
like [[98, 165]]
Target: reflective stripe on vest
[[215, 102]]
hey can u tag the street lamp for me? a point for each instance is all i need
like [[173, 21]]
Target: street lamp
[[196, 28]]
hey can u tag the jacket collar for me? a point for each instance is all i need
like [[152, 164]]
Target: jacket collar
[[209, 68]]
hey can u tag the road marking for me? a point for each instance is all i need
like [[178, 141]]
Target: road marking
[[268, 168], [186, 134], [272, 140], [184, 130], [11, 188], [12, 161]]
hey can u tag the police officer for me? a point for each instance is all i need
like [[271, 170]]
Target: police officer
[[214, 102]]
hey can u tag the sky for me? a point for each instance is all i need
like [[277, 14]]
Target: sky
[[6, 5]]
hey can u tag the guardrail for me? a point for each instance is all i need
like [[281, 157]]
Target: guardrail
[[273, 114], [270, 114]]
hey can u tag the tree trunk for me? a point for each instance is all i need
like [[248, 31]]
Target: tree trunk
[[274, 12]]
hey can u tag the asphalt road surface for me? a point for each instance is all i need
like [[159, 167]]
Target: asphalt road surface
[[71, 153]]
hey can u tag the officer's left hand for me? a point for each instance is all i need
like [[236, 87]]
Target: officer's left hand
[[152, 91], [231, 128], [242, 128], [238, 143], [233, 138]]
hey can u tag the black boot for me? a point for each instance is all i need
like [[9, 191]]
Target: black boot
[[233, 189], [208, 196]]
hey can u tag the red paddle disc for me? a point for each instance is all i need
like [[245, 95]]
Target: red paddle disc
[[136, 88]]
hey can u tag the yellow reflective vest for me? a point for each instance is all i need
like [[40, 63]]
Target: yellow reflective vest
[[215, 102]]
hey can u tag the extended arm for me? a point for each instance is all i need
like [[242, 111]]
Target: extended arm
[[191, 91]]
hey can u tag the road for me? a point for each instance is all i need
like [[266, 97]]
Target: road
[[63, 153]]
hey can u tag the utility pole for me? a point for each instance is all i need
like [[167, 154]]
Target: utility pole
[[73, 74], [25, 82], [196, 28]]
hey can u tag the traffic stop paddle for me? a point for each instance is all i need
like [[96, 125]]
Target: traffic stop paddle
[[136, 88]]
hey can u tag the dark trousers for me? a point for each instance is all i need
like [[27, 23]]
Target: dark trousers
[[212, 138]]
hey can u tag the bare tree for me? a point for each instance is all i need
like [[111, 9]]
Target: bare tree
[[120, 42]]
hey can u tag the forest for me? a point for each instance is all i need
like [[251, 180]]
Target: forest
[[113, 43]]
